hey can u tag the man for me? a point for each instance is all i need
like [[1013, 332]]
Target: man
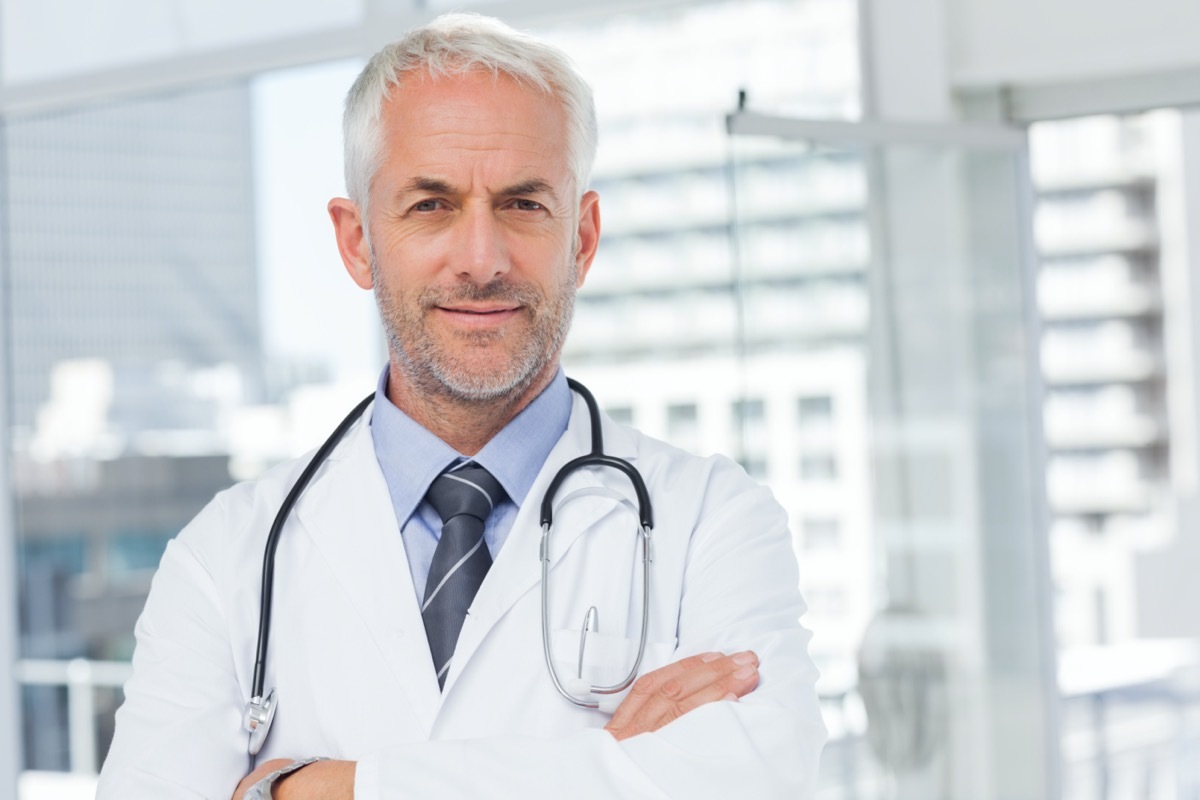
[[414, 669]]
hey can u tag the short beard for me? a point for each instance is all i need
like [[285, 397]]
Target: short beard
[[431, 369]]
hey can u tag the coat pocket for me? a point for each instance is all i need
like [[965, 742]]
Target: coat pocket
[[606, 660]]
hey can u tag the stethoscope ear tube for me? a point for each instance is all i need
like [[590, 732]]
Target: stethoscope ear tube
[[597, 458]]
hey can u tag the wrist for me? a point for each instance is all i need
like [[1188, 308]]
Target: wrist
[[328, 780], [265, 788]]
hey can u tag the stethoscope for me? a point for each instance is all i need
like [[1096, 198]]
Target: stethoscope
[[260, 710]]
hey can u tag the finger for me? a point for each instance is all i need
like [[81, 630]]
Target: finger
[[647, 685], [660, 698], [720, 671], [734, 675], [658, 711]]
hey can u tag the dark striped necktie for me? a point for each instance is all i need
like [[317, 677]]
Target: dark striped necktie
[[463, 499]]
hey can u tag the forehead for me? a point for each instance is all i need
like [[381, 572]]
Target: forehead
[[473, 119]]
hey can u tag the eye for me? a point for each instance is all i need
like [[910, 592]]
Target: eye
[[426, 206], [522, 204]]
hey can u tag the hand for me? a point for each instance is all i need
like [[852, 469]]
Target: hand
[[322, 780], [666, 694]]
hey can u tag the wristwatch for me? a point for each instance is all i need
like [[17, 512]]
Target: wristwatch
[[262, 789]]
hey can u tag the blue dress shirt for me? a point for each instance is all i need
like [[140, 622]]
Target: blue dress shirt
[[411, 457]]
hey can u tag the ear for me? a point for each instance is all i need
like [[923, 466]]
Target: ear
[[351, 240], [589, 234]]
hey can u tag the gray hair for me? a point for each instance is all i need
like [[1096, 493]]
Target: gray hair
[[454, 44]]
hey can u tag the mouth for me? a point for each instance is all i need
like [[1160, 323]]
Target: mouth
[[478, 310], [476, 316]]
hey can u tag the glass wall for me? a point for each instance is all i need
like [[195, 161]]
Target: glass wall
[[850, 322], [173, 321], [134, 328], [179, 318], [1118, 200]]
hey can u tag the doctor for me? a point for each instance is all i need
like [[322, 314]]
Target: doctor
[[415, 670]]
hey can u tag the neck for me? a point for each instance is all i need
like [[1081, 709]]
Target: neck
[[465, 425]]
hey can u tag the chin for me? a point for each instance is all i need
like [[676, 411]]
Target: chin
[[483, 382]]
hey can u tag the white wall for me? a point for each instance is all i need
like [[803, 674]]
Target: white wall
[[999, 42]]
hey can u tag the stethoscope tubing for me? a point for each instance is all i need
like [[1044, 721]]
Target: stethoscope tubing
[[285, 510], [595, 458]]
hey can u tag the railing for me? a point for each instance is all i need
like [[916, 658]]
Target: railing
[[81, 677]]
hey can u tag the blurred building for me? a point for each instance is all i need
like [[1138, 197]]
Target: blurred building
[[1115, 351], [135, 327], [93, 532], [131, 236], [727, 307]]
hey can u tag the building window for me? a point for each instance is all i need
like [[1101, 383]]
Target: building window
[[622, 415], [821, 533], [135, 552], [682, 422], [818, 467], [750, 428], [815, 412], [747, 413], [755, 467]]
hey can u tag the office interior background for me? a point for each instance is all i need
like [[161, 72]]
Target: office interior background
[[926, 267]]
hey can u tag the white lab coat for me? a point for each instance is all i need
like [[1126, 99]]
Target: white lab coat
[[349, 658]]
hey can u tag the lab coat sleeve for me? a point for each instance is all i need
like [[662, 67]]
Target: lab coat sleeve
[[177, 734], [740, 592]]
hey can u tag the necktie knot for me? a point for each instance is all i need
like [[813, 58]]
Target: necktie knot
[[471, 490]]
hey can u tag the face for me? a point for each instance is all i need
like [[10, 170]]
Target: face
[[478, 240]]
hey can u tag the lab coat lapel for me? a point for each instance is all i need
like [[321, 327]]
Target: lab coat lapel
[[349, 515], [517, 569]]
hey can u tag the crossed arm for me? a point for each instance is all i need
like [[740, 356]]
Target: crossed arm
[[656, 699], [175, 733]]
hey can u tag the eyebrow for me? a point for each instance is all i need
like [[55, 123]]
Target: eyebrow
[[433, 185], [438, 186], [535, 186]]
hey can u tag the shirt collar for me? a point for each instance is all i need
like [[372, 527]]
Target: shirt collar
[[411, 457]]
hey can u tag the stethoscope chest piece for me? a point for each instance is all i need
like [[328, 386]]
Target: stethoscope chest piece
[[260, 713]]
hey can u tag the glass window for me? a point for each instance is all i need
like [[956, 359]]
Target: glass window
[[1113, 233], [621, 414], [818, 467], [815, 411], [169, 254], [135, 333], [755, 467], [135, 552], [683, 425], [821, 533]]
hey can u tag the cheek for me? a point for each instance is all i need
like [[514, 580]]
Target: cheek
[[542, 258], [401, 253]]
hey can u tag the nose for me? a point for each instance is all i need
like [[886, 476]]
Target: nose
[[482, 249]]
